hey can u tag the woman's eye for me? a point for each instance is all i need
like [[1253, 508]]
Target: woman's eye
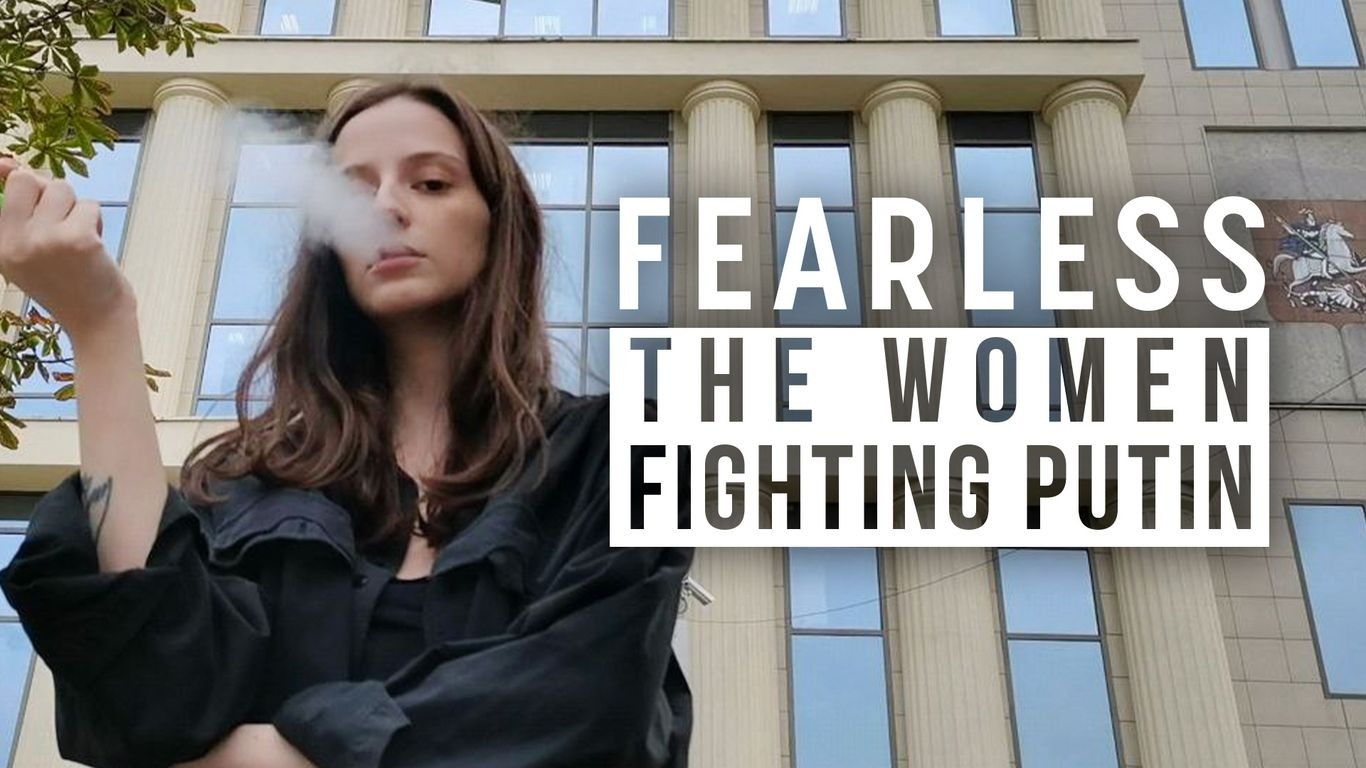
[[434, 185]]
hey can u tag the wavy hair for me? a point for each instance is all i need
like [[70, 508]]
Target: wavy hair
[[328, 422]]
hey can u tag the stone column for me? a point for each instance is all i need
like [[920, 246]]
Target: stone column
[[1071, 18], [1183, 692], [718, 18], [169, 221], [343, 92], [1178, 666], [721, 117], [373, 18], [225, 12], [904, 161], [734, 660], [892, 19], [1092, 158], [953, 690]]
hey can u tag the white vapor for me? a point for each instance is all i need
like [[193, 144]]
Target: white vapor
[[333, 208]]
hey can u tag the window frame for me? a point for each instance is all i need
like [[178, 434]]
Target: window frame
[[939, 23], [774, 208], [261, 21], [790, 631], [1252, 30], [843, 34], [584, 326], [130, 126], [11, 526], [1099, 639], [501, 34], [1287, 505], [1004, 142], [307, 120], [1290, 43]]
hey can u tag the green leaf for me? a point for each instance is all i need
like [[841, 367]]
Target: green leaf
[[7, 438], [65, 393]]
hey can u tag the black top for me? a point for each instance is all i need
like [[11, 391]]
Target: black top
[[396, 635], [546, 646]]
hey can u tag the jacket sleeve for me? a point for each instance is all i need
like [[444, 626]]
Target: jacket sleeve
[[151, 665], [579, 678]]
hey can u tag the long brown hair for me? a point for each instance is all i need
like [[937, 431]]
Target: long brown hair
[[328, 423]]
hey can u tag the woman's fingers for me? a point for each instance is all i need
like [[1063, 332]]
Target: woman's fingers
[[54, 204], [23, 187]]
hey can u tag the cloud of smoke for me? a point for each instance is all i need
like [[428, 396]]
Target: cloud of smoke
[[334, 209]]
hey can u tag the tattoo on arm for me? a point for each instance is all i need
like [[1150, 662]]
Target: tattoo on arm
[[95, 494]]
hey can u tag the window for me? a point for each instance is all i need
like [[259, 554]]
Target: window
[[805, 18], [259, 245], [838, 653], [1331, 542], [580, 165], [1220, 33], [812, 157], [1320, 33], [110, 182], [977, 18], [1059, 682], [993, 158], [16, 656], [549, 18], [297, 17]]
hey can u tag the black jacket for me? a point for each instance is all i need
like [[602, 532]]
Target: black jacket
[[546, 647]]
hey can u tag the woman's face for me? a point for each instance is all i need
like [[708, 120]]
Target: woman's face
[[415, 162]]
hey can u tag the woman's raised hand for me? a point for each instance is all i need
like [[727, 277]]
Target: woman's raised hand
[[50, 247]]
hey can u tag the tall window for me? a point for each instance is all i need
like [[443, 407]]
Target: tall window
[[259, 245], [298, 17], [977, 18], [1059, 685], [813, 157], [16, 656], [1220, 33], [580, 166], [839, 679], [1320, 33], [805, 18], [549, 18], [1331, 542], [110, 182], [993, 158]]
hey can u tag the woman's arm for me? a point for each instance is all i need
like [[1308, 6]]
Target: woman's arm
[[50, 247], [584, 675]]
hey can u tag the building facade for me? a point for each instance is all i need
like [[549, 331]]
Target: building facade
[[941, 658]]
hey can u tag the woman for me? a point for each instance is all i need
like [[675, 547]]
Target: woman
[[298, 600]]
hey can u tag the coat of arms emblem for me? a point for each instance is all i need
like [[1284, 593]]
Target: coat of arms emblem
[[1314, 273]]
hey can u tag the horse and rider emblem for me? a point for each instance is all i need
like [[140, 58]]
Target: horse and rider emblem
[[1314, 272]]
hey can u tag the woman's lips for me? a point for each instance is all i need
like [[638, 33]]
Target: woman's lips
[[394, 260]]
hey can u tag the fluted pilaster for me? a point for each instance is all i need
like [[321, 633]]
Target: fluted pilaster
[[953, 689], [342, 93], [734, 660], [169, 222], [892, 19], [1071, 18], [1092, 158], [373, 18], [718, 18], [1183, 694], [721, 117], [904, 159], [225, 12]]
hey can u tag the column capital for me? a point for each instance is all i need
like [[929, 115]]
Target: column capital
[[343, 92], [721, 89], [901, 89], [189, 86], [1084, 89]]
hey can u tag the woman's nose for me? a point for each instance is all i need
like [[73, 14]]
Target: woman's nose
[[388, 202]]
